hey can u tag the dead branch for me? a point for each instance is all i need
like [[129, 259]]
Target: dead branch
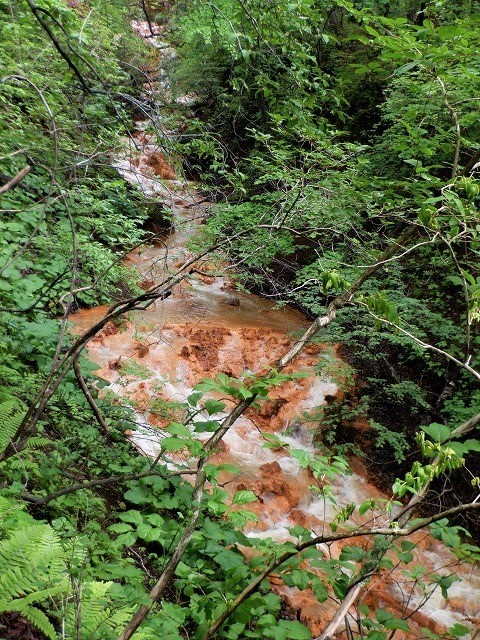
[[458, 131], [425, 345], [98, 482], [88, 396], [14, 181]]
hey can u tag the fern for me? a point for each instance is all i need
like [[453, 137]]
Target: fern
[[101, 618], [35, 572], [33, 615], [10, 420], [11, 514]]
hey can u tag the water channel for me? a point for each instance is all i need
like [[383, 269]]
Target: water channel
[[207, 326]]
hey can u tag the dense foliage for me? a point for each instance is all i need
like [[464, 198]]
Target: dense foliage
[[335, 136]]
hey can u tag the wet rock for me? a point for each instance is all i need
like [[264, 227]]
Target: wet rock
[[159, 165], [115, 364], [232, 301], [110, 329], [271, 408], [313, 348], [185, 352], [142, 350], [270, 468], [206, 279], [147, 284]]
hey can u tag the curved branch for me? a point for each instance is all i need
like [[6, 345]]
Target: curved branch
[[36, 12], [424, 345]]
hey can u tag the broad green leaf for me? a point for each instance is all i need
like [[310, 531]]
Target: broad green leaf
[[214, 406], [458, 630], [438, 432], [243, 497]]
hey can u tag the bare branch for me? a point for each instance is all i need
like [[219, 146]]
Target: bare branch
[[98, 482], [14, 181], [86, 392], [458, 132], [424, 345]]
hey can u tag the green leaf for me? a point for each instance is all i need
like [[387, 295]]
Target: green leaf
[[438, 432], [173, 444], [397, 623], [458, 630], [406, 67], [126, 539], [366, 506], [155, 519], [139, 495], [120, 527], [206, 426], [294, 630], [193, 398], [352, 553], [178, 429], [320, 589], [131, 516], [243, 497], [214, 406], [144, 531]]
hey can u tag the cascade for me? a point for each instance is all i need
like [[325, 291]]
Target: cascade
[[207, 326]]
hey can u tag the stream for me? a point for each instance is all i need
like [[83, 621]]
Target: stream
[[207, 326]]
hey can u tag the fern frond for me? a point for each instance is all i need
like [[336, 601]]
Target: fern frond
[[35, 442], [35, 571], [33, 559], [10, 420], [102, 619], [35, 617], [10, 509]]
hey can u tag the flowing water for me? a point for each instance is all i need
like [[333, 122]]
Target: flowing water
[[207, 326]]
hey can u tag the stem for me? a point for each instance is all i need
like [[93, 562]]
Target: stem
[[159, 588], [86, 392]]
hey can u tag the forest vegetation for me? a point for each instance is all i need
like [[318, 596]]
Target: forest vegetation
[[340, 143]]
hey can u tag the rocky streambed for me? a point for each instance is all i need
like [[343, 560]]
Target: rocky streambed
[[206, 327]]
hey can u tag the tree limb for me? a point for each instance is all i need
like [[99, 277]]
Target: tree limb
[[86, 392], [14, 181], [98, 482], [36, 12], [425, 345]]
